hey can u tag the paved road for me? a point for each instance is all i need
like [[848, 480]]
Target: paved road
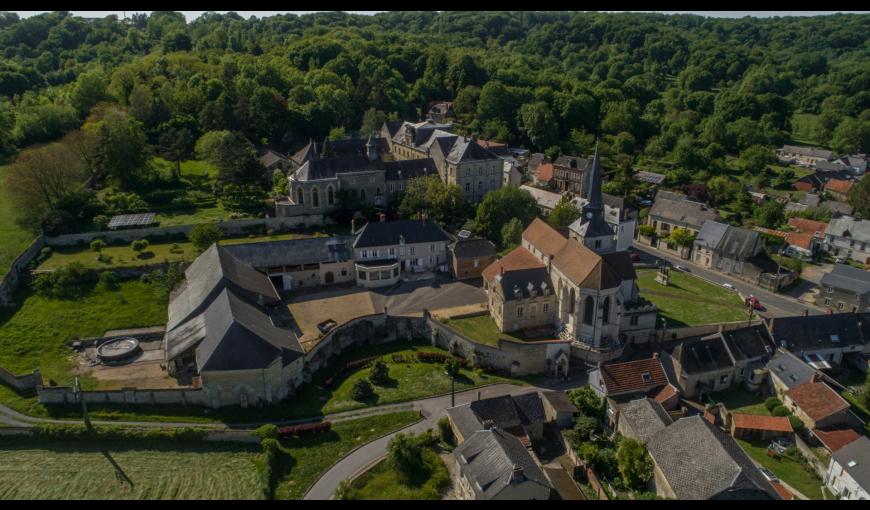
[[776, 305], [432, 410]]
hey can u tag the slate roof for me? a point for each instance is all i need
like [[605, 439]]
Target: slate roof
[[644, 417], [810, 199], [827, 331], [239, 336], [651, 177], [329, 168], [472, 248], [519, 284], [681, 212], [748, 343], [700, 462], [697, 356], [837, 438], [536, 159], [790, 369], [560, 401], [409, 168], [215, 269], [807, 151], [817, 399], [393, 127], [518, 259], [530, 408], [837, 207], [421, 131], [573, 162], [466, 149], [488, 459], [505, 412], [545, 199], [628, 376], [386, 233], [857, 451], [761, 422], [291, 252], [270, 157], [858, 230], [711, 234], [729, 241], [847, 278]]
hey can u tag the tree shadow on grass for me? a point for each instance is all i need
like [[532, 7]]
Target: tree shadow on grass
[[391, 382], [119, 472]]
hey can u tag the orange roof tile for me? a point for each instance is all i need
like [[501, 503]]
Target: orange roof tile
[[544, 172], [761, 422], [836, 439], [817, 399], [800, 240], [839, 185], [665, 393], [628, 376], [782, 491], [544, 237], [806, 226], [519, 258]]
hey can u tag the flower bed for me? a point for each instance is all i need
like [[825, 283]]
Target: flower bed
[[304, 428], [350, 365]]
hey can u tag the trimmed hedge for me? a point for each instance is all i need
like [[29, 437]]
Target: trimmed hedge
[[59, 432], [304, 428]]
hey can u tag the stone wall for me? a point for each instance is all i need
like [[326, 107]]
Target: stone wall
[[10, 281], [21, 382], [66, 395]]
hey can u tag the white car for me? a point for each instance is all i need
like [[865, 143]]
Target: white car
[[728, 286], [768, 474], [681, 268]]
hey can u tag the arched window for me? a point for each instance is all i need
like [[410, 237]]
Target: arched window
[[589, 310], [362, 194], [315, 197], [606, 310], [330, 196], [571, 307], [300, 196]]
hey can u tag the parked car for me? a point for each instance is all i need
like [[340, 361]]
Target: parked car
[[768, 474], [681, 268], [840, 260], [753, 302], [645, 202], [634, 256], [728, 286]]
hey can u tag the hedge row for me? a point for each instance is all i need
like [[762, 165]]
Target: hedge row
[[350, 365], [304, 428], [63, 432]]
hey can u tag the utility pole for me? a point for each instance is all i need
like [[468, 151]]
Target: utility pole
[[78, 390]]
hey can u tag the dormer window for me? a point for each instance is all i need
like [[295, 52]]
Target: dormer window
[[646, 376]]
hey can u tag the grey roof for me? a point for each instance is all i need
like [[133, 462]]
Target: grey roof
[[644, 417], [739, 243], [464, 419], [857, 451], [810, 199], [466, 149], [329, 168], [387, 233], [807, 151], [545, 199], [409, 169], [270, 157], [711, 234], [504, 412], [847, 278], [858, 230], [291, 252], [700, 355], [700, 462], [393, 127], [215, 269], [829, 331], [651, 177], [573, 162], [591, 222], [516, 284], [837, 207], [681, 212], [827, 166], [470, 248], [421, 132], [535, 161], [747, 343], [791, 370], [857, 162], [487, 460], [501, 410], [560, 401], [239, 336], [616, 202], [530, 407], [132, 220]]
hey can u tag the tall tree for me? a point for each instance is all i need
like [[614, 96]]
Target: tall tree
[[564, 213], [176, 145], [41, 177], [635, 463], [500, 206]]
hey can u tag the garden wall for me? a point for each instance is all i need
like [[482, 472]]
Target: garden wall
[[673, 334], [21, 382], [10, 281], [66, 395]]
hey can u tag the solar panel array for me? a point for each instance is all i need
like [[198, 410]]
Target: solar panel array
[[132, 220]]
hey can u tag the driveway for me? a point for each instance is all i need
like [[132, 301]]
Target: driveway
[[776, 305]]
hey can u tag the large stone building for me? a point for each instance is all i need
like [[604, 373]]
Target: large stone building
[[849, 238], [846, 289], [579, 285], [384, 250]]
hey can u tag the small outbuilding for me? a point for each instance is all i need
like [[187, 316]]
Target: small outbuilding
[[754, 426]]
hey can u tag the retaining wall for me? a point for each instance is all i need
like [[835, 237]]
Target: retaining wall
[[66, 395], [10, 281], [21, 382]]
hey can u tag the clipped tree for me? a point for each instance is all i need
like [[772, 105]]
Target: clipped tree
[[682, 237], [97, 245], [635, 463], [780, 411], [771, 403], [204, 235], [361, 390], [379, 373], [139, 245]]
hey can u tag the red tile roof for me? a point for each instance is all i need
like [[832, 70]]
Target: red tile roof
[[784, 493], [800, 240], [543, 237], [839, 185], [665, 393], [836, 439], [628, 376], [519, 258], [806, 226], [760, 422], [544, 172], [817, 400]]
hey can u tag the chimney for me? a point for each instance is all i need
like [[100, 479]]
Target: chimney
[[383, 217], [352, 226], [423, 217], [501, 270], [655, 355], [517, 475]]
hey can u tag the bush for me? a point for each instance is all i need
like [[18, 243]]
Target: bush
[[266, 464], [204, 235], [405, 452], [780, 411], [445, 431], [771, 403], [97, 245], [66, 282], [107, 434], [646, 230], [379, 373], [304, 428], [267, 431], [101, 221], [796, 423], [108, 281], [139, 245], [362, 390]]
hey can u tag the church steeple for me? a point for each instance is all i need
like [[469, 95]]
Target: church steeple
[[591, 228]]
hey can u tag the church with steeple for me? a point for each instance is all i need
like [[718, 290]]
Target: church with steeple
[[575, 284]]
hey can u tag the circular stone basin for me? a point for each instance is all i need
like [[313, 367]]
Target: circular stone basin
[[118, 350]]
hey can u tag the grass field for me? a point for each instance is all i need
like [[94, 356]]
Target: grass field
[[13, 239], [739, 400], [690, 301], [306, 458], [482, 329], [803, 129], [35, 333], [384, 482], [787, 469], [127, 471]]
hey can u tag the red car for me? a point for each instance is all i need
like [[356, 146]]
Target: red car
[[635, 257], [753, 302]]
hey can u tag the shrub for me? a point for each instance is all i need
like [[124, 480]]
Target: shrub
[[451, 366], [266, 466], [108, 281], [646, 230], [445, 431], [139, 245], [101, 221], [405, 452], [362, 390], [97, 245], [304, 428], [780, 411], [771, 403], [204, 235], [379, 373], [267, 431], [796, 423], [66, 282]]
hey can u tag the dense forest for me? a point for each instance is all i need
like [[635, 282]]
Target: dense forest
[[694, 92]]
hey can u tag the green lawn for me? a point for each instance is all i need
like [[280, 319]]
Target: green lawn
[[35, 333], [482, 329], [739, 400], [690, 301], [789, 470], [307, 457], [89, 470], [803, 129], [13, 239], [124, 256], [383, 482]]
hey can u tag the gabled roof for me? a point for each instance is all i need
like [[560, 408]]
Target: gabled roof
[[544, 172], [387, 233], [517, 260], [747, 343], [466, 149], [847, 278], [270, 157], [700, 355], [631, 376], [409, 168], [544, 237], [291, 252], [651, 177], [504, 412], [836, 438], [761, 422], [471, 248], [700, 462], [815, 332], [790, 369], [807, 151], [681, 212], [644, 417], [545, 199], [573, 162], [488, 459], [215, 269], [839, 185], [519, 284], [854, 458], [858, 230], [536, 159], [806, 226], [817, 399], [329, 168], [728, 240]]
